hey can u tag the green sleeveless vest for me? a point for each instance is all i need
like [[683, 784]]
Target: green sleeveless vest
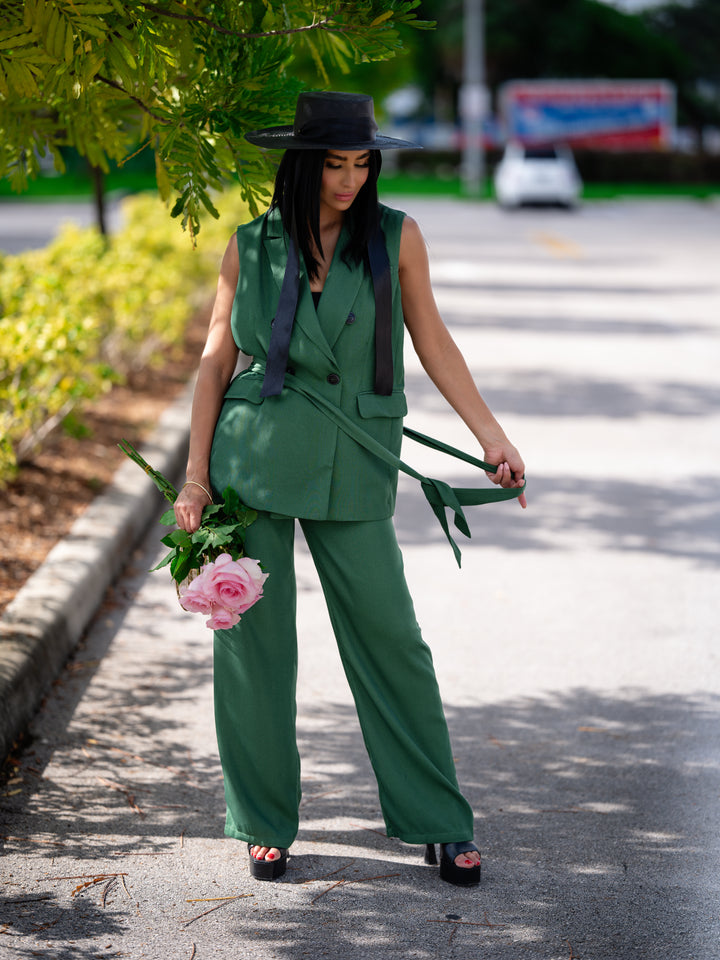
[[281, 453]]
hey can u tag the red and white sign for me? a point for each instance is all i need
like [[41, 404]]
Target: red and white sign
[[598, 114]]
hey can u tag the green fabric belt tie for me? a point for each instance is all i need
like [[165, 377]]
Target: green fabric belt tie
[[440, 495]]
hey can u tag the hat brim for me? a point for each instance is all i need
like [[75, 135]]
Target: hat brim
[[283, 138]]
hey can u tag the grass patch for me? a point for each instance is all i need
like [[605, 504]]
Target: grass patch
[[71, 185], [419, 186], [612, 191], [396, 184], [406, 185]]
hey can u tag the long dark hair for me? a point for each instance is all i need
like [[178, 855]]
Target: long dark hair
[[297, 197]]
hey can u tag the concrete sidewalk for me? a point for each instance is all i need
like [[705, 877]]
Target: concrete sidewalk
[[576, 651], [44, 622]]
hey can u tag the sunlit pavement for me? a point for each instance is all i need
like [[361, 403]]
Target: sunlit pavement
[[576, 652], [26, 225]]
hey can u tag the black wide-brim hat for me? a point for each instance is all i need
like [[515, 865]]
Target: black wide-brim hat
[[330, 121]]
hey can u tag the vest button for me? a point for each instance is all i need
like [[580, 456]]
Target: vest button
[[351, 318], [333, 378]]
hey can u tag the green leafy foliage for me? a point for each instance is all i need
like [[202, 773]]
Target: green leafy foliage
[[184, 78], [78, 315]]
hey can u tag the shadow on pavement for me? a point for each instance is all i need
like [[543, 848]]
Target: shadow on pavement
[[542, 393], [675, 521], [581, 288], [613, 326], [592, 813]]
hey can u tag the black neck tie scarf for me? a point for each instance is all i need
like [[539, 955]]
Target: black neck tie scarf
[[287, 305]]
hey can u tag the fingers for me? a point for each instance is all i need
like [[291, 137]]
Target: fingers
[[505, 477], [188, 509], [499, 475]]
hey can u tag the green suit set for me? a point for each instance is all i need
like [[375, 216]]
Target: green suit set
[[289, 460]]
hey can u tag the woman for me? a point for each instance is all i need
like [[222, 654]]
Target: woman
[[304, 433]]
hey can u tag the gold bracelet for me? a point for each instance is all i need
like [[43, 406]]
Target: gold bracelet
[[204, 489]]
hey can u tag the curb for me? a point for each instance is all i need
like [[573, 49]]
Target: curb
[[46, 619]]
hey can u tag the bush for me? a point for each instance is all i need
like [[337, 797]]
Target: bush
[[78, 315]]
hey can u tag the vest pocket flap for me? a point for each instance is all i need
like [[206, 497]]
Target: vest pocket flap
[[245, 387], [375, 405]]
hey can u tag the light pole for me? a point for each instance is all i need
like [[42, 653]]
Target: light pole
[[473, 98]]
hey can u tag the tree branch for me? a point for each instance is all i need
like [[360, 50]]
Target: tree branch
[[137, 100]]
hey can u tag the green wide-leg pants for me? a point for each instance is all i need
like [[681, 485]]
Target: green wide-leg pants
[[387, 664]]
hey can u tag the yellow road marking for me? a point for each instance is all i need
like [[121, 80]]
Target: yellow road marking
[[557, 246]]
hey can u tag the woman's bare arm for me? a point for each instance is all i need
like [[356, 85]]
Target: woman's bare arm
[[445, 364], [217, 365]]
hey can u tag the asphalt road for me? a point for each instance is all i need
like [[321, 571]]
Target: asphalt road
[[576, 651], [26, 225]]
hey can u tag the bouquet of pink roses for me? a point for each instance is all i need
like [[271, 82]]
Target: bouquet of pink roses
[[212, 574], [224, 588]]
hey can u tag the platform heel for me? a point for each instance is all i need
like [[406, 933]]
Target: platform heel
[[268, 869], [449, 870]]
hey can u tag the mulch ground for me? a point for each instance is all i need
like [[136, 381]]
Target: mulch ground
[[53, 489]]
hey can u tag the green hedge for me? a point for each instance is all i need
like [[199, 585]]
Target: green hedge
[[78, 315]]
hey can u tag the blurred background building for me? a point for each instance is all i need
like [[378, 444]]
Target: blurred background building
[[633, 86]]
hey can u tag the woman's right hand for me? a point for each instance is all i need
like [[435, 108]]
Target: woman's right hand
[[189, 506]]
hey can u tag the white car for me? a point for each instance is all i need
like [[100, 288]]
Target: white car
[[537, 175]]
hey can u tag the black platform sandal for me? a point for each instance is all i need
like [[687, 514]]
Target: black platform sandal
[[449, 870], [267, 869]]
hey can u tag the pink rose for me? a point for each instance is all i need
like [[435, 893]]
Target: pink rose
[[222, 618], [196, 596], [233, 584]]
